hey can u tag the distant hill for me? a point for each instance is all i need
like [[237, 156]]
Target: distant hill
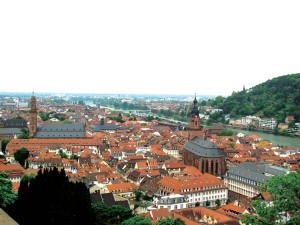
[[278, 98]]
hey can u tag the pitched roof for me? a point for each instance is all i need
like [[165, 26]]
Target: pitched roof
[[158, 214], [10, 131], [121, 187], [72, 130], [254, 171], [203, 148], [201, 213]]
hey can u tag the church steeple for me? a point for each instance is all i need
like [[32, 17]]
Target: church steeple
[[32, 126], [194, 118]]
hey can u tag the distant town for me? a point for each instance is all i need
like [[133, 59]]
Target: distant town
[[159, 156]]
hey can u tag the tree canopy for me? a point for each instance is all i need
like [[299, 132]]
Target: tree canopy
[[170, 221], [285, 192], [21, 155], [24, 134], [4, 143], [50, 198], [105, 215], [137, 220], [7, 197]]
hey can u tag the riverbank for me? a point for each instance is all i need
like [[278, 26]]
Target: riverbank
[[274, 139]]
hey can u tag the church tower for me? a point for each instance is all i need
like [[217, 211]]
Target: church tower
[[194, 118], [32, 126]]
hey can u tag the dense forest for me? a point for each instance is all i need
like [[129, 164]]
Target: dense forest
[[278, 98]]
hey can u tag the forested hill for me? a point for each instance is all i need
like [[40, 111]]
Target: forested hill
[[278, 98]]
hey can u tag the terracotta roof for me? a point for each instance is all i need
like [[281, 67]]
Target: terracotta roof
[[266, 196], [177, 186], [232, 209], [121, 187], [158, 214], [14, 170], [206, 215]]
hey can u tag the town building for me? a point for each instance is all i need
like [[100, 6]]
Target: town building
[[268, 124], [198, 189], [245, 179], [172, 202]]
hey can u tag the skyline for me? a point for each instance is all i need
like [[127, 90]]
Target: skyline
[[136, 47]]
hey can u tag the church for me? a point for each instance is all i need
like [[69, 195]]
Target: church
[[201, 153], [74, 130]]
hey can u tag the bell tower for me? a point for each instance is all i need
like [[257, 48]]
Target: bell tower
[[32, 126], [194, 118]]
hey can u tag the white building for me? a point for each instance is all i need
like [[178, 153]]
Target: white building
[[172, 202], [268, 123], [207, 188]]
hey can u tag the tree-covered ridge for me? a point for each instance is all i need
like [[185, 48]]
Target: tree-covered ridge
[[278, 98]]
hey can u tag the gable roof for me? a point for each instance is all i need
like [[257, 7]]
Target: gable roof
[[203, 148], [73, 130]]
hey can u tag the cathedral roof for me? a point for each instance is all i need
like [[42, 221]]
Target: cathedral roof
[[74, 130], [203, 148]]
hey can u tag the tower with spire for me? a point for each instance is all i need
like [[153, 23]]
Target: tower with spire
[[32, 126], [194, 118]]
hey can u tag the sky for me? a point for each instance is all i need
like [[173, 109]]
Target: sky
[[146, 47]]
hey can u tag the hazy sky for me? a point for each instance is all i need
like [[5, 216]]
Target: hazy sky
[[160, 47]]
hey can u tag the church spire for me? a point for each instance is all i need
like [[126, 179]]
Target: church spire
[[195, 120]]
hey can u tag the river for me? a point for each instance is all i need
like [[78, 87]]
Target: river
[[275, 139]]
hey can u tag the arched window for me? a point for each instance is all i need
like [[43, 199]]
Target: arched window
[[217, 167]]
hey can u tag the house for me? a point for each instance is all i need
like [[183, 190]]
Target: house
[[233, 210], [123, 189], [158, 214], [15, 171], [109, 199], [173, 166]]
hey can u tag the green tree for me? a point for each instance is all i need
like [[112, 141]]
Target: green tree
[[226, 132], [4, 143], [50, 197], [75, 157], [62, 154], [137, 220], [285, 191], [170, 221], [207, 203], [21, 155], [137, 194], [105, 215], [218, 203], [24, 134], [7, 197]]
